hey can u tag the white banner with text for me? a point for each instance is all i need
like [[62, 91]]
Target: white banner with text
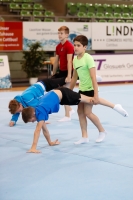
[[114, 68], [47, 33], [4, 73], [112, 36]]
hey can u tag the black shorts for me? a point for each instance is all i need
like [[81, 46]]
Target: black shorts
[[87, 93], [69, 97], [60, 74], [51, 84]]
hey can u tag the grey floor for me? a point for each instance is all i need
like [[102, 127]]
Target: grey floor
[[69, 172]]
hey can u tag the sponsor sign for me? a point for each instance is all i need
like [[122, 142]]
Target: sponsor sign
[[47, 33], [10, 36], [112, 36], [113, 68], [4, 73]]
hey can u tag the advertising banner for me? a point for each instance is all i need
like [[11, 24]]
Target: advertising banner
[[112, 36], [4, 73], [11, 36], [47, 33], [113, 68]]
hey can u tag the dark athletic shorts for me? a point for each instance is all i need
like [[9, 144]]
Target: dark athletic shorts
[[87, 93], [60, 74], [51, 84], [69, 97]]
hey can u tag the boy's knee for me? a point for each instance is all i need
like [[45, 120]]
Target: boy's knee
[[89, 115], [80, 112]]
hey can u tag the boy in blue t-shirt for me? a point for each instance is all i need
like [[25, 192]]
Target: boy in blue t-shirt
[[47, 105]]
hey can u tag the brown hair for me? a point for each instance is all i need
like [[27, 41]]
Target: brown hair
[[27, 114], [64, 28], [82, 39], [13, 106]]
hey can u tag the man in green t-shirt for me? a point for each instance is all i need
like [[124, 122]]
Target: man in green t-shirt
[[84, 68]]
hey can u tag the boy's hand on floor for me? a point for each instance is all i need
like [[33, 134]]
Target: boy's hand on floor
[[33, 151], [56, 142], [12, 123]]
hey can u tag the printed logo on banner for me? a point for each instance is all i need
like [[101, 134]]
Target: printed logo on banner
[[121, 30], [47, 33], [100, 61], [112, 36], [11, 36], [114, 67], [85, 27], [1, 63], [5, 81], [102, 64]]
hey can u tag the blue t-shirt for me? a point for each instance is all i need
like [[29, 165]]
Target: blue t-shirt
[[48, 104]]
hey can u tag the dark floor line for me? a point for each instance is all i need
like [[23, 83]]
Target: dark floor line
[[75, 154], [95, 159]]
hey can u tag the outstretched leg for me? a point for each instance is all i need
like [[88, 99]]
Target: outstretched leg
[[73, 98], [51, 84], [116, 107]]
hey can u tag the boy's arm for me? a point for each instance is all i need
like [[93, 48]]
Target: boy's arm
[[14, 119], [41, 125], [36, 137], [56, 64], [47, 136], [95, 86], [74, 79], [69, 67]]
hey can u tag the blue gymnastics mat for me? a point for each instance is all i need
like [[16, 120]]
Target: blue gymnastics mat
[[93, 171]]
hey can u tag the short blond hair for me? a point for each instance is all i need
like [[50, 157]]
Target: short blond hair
[[64, 28]]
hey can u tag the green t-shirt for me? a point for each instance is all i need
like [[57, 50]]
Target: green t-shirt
[[83, 66]]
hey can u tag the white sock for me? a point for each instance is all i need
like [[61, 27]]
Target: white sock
[[82, 141], [120, 110], [65, 119], [71, 112], [101, 136]]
